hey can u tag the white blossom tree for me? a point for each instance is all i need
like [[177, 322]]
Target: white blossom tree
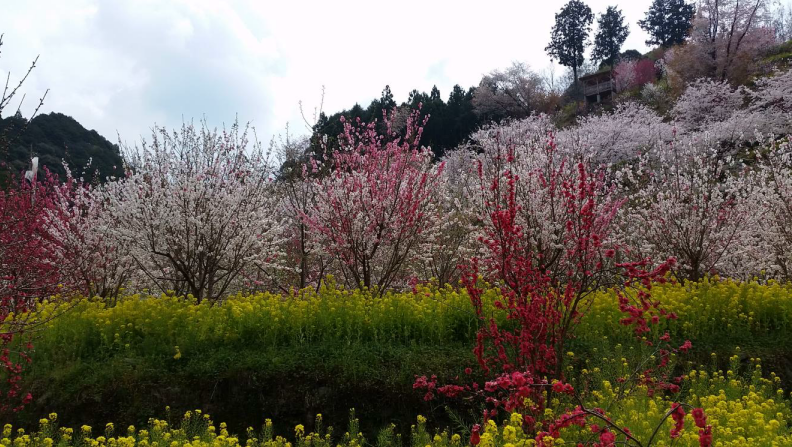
[[196, 210], [452, 239], [306, 261], [772, 249], [705, 102], [689, 203], [623, 134]]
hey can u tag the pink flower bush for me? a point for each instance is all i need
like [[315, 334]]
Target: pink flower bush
[[373, 208]]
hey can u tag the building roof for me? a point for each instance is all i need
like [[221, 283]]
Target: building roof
[[603, 73]]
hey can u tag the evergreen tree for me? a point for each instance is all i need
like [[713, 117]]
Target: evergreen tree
[[448, 126], [435, 93], [634, 55], [570, 35], [611, 34], [668, 22], [386, 100], [461, 118]]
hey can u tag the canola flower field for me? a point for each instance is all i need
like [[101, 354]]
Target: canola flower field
[[710, 312], [745, 405]]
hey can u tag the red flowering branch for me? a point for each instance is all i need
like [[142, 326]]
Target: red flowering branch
[[29, 274], [547, 272], [546, 233]]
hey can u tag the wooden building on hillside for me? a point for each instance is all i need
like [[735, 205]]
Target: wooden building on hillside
[[597, 87]]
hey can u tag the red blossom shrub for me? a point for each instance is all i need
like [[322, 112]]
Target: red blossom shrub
[[645, 72], [546, 296], [546, 274], [29, 274]]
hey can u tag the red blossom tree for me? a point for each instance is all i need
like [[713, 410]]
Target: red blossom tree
[[545, 292], [29, 274], [631, 73]]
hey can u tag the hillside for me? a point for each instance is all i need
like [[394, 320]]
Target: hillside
[[55, 137]]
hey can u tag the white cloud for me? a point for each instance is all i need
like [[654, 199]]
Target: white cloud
[[123, 65]]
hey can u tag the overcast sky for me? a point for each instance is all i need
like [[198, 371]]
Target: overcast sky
[[119, 66]]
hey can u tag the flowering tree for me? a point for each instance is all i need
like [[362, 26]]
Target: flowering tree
[[624, 134], [29, 274], [547, 237], [688, 203], [656, 97], [732, 33], [98, 263], [624, 75], [764, 111], [769, 109], [547, 246], [704, 103], [195, 210], [374, 206], [521, 148], [514, 92], [304, 254], [775, 198], [728, 37], [632, 73], [28, 270], [451, 238]]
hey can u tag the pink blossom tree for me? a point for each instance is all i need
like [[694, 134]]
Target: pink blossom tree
[[374, 206], [624, 75], [98, 262], [732, 33]]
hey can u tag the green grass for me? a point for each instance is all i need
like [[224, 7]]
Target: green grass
[[289, 358]]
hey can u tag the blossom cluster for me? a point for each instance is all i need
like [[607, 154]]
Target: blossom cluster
[[206, 212], [709, 185]]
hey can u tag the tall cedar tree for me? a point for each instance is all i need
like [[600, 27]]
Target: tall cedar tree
[[611, 34], [570, 35], [668, 22]]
